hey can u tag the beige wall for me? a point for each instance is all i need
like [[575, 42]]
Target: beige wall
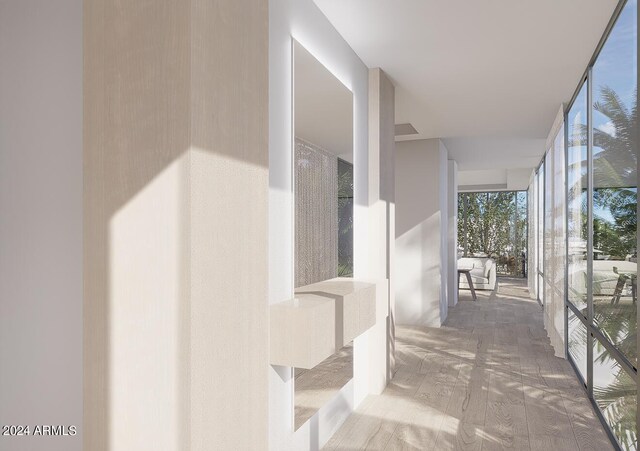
[[175, 263], [229, 188]]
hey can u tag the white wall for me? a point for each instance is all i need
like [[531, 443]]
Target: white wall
[[452, 245], [511, 179], [443, 172], [518, 179], [421, 232], [304, 21], [41, 219], [381, 222], [483, 177]]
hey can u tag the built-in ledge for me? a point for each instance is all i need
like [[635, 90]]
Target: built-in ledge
[[321, 319]]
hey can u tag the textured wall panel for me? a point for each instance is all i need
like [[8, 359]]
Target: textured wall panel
[[135, 133], [229, 208], [316, 214], [175, 225]]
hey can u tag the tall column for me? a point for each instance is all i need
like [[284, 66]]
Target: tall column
[[452, 242], [175, 218], [637, 139], [382, 201], [421, 233]]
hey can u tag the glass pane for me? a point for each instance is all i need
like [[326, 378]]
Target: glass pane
[[534, 234], [345, 218], [578, 343], [494, 224], [521, 232], [554, 242], [541, 222], [615, 184], [577, 201], [615, 393], [547, 234]]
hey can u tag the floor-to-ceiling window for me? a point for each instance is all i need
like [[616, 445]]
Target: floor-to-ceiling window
[[577, 182], [601, 206], [614, 154], [532, 274], [540, 229], [494, 224], [553, 255]]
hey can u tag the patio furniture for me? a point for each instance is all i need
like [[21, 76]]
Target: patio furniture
[[482, 271], [623, 278], [467, 272]]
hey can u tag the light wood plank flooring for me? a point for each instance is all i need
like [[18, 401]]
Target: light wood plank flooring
[[486, 380]]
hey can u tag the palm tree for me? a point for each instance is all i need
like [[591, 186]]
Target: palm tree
[[345, 219], [616, 165], [615, 190], [618, 404], [615, 183]]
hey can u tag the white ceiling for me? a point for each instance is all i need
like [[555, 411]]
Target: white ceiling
[[512, 179], [476, 69], [323, 106], [495, 153]]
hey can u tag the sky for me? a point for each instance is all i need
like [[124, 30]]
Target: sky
[[615, 67]]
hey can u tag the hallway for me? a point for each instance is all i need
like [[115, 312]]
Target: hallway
[[486, 380]]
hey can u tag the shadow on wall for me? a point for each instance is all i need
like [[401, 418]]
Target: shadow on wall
[[149, 292], [163, 169], [418, 278]]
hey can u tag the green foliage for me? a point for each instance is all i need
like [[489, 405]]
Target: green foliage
[[345, 270], [345, 219], [494, 224], [615, 192], [614, 233], [618, 237]]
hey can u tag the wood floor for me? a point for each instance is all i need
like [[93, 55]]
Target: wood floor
[[486, 380]]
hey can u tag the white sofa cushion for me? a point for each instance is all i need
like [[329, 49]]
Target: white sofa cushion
[[487, 267], [478, 279], [483, 272], [605, 279], [484, 264]]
